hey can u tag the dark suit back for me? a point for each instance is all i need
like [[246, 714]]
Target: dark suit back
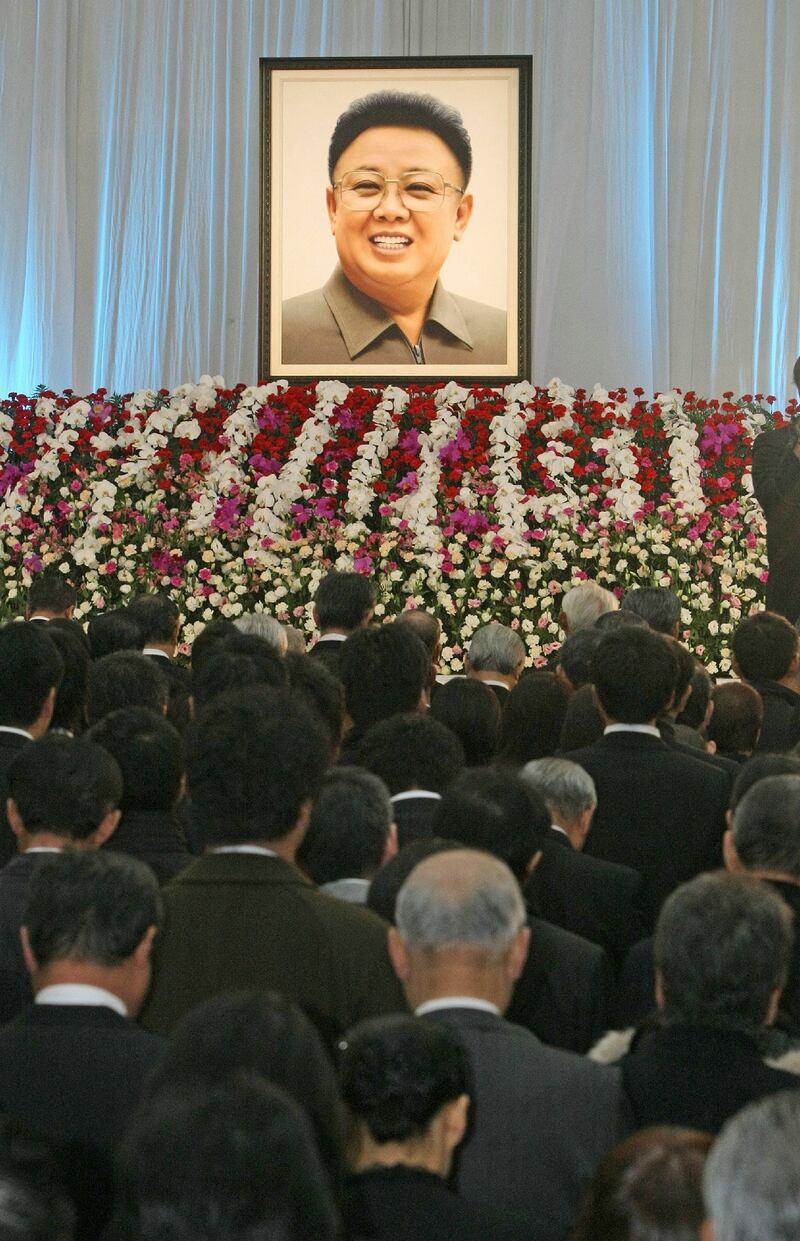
[[10, 746], [659, 811], [401, 1203], [542, 1119], [15, 880], [152, 836], [243, 920]]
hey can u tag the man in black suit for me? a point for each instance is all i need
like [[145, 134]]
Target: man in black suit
[[417, 758], [243, 915], [151, 758], [63, 793], [496, 656], [406, 1085], [343, 603], [543, 1117], [586, 895], [563, 991], [50, 595], [30, 672], [73, 1064], [766, 655], [385, 671], [722, 952], [660, 811], [159, 620]]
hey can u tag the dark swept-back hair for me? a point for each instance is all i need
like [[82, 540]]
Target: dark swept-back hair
[[238, 661], [90, 906], [766, 826], [316, 686], [113, 631], [254, 756], [156, 615], [342, 600], [736, 721], [533, 717], [649, 1186], [722, 947], [228, 1162], [472, 711], [384, 670], [500, 814], [410, 111], [259, 1032], [349, 827], [150, 754], [764, 646], [30, 666], [634, 674], [125, 679], [658, 605], [397, 1072], [412, 751], [65, 785], [50, 591]]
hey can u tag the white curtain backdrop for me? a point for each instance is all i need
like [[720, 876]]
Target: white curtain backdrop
[[665, 234]]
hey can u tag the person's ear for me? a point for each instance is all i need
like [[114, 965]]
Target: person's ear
[[730, 855], [706, 1230], [46, 713], [330, 203], [31, 964], [518, 953], [142, 951], [398, 955], [391, 846], [772, 1007], [660, 1001], [14, 817], [106, 828], [534, 862], [463, 213], [455, 1119]]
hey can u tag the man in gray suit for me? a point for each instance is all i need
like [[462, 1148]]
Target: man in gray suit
[[543, 1117]]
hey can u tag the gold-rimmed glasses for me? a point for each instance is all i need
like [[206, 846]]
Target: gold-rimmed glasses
[[364, 189]]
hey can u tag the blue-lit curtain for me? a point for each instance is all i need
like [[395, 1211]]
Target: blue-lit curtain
[[665, 234]]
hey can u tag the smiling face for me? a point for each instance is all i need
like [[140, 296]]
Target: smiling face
[[390, 253]]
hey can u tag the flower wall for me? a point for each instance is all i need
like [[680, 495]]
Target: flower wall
[[478, 503]]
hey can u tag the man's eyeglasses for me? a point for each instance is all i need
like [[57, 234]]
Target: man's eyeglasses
[[364, 190]]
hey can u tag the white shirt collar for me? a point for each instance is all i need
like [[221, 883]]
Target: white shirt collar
[[38, 617], [647, 730], [81, 993], [333, 637], [18, 732], [416, 793], [457, 1001], [43, 849], [555, 828], [260, 849], [154, 650], [492, 681]]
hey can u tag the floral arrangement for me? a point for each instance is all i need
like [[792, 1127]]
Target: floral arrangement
[[478, 503]]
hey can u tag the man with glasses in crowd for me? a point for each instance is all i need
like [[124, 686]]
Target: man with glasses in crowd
[[399, 166]]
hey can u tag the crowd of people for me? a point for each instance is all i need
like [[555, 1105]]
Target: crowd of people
[[321, 945]]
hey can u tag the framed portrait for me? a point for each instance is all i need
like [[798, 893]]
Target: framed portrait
[[395, 219]]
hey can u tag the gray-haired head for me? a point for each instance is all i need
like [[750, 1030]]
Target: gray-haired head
[[658, 605], [263, 626], [582, 604], [766, 826], [566, 789], [722, 949], [751, 1181], [496, 648], [460, 898]]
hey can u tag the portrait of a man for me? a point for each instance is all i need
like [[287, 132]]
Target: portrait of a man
[[399, 166], [409, 260]]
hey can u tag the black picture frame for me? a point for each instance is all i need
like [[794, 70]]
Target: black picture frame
[[301, 100]]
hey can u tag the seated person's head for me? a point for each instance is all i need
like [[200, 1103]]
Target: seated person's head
[[736, 719], [583, 720], [351, 829], [574, 658], [583, 604], [765, 648], [31, 669], [385, 670], [374, 200], [618, 619], [470, 710], [228, 1162], [758, 768], [212, 635], [765, 833], [533, 718], [150, 754], [91, 917], [696, 709], [343, 602], [753, 1171], [255, 761], [427, 627], [412, 752], [658, 605], [262, 1033], [406, 1084], [496, 649], [634, 674], [125, 679], [239, 661], [158, 618], [113, 631], [568, 792], [722, 951], [484, 809], [261, 625], [66, 787], [69, 708], [50, 594], [650, 1185]]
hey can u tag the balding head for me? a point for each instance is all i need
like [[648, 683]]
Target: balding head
[[460, 928]]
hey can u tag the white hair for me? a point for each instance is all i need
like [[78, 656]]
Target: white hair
[[564, 786], [582, 604], [496, 648], [460, 897], [263, 626]]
